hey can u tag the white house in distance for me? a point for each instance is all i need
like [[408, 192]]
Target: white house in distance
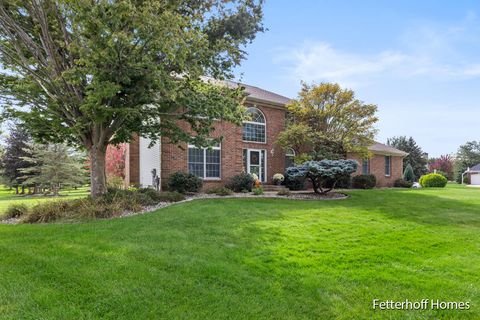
[[474, 175]]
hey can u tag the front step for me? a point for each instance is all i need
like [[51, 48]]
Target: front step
[[272, 187]]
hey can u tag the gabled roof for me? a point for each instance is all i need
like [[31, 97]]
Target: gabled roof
[[254, 94], [475, 168], [380, 148], [258, 94]]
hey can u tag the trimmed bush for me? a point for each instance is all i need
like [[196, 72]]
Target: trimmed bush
[[400, 183], [15, 211], [433, 180], [241, 182], [278, 178], [220, 191], [184, 182], [257, 191], [364, 181], [294, 183], [442, 173], [344, 182]]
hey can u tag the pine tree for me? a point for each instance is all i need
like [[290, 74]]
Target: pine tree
[[11, 160], [416, 157], [53, 166], [408, 174]]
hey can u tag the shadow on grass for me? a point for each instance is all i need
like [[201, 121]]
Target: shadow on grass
[[244, 258]]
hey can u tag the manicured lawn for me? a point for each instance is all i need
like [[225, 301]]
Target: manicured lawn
[[8, 197], [252, 259]]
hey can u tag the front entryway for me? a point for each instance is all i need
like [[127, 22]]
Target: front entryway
[[254, 161]]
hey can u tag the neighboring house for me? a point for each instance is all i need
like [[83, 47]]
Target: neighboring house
[[249, 148], [473, 174]]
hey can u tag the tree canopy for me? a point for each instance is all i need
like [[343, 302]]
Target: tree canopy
[[468, 155], [92, 73], [416, 157], [326, 121]]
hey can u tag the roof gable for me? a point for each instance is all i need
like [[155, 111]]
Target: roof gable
[[475, 167], [380, 148]]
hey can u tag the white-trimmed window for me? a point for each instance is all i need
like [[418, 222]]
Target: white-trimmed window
[[365, 166], [254, 130], [204, 162], [289, 158], [388, 165]]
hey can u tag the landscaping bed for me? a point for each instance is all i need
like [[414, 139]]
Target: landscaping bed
[[126, 203], [240, 258]]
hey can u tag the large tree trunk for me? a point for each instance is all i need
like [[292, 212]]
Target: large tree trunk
[[98, 177]]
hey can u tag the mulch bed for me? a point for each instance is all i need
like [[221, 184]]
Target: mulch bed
[[296, 195]]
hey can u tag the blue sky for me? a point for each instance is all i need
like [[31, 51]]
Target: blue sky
[[419, 61]]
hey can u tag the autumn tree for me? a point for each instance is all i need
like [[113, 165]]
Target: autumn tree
[[92, 73], [416, 157], [326, 122], [445, 164], [115, 161]]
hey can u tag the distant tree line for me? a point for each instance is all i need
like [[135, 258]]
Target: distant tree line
[[450, 165], [39, 168]]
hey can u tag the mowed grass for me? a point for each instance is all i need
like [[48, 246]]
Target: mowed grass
[[8, 197], [252, 259]]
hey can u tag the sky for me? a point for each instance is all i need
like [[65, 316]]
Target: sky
[[419, 61]]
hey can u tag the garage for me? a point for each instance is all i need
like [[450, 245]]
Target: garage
[[475, 179], [474, 174]]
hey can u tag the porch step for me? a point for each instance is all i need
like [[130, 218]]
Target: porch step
[[273, 187]]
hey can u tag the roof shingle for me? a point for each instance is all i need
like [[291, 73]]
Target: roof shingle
[[380, 148], [254, 93], [475, 167]]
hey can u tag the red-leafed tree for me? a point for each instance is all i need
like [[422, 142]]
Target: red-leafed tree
[[444, 164], [115, 161]]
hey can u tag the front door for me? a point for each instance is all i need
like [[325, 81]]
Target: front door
[[256, 163]]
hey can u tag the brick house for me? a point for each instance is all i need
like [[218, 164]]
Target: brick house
[[385, 163], [248, 148]]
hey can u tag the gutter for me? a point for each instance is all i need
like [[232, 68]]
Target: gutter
[[267, 102]]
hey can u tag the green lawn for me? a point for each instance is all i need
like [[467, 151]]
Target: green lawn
[[252, 259], [8, 197]]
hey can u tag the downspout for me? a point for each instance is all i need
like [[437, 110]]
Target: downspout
[[463, 174], [160, 164]]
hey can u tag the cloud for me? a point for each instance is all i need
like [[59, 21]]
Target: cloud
[[423, 51]]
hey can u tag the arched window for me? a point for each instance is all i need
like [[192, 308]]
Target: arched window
[[289, 158], [254, 129]]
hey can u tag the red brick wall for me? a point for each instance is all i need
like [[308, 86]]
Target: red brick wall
[[176, 159], [377, 168]]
